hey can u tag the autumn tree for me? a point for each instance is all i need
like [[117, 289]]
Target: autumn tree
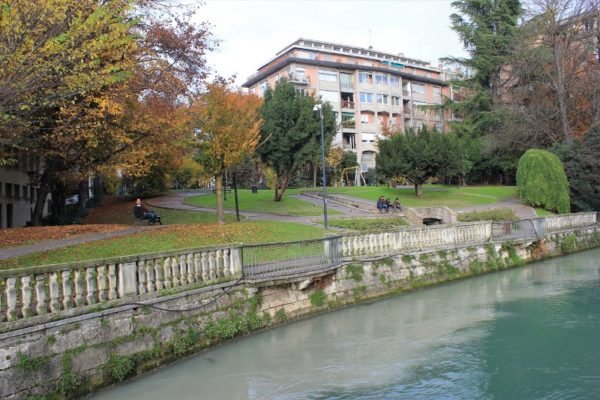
[[85, 84], [339, 162], [227, 126], [291, 133]]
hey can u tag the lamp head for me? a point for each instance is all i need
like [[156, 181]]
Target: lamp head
[[317, 107]]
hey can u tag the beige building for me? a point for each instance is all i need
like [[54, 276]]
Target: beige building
[[17, 194], [368, 90]]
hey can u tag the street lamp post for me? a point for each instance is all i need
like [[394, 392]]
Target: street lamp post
[[318, 107]]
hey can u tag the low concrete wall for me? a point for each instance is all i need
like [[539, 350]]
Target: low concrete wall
[[78, 354]]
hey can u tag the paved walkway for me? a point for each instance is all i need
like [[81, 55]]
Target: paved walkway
[[46, 245]]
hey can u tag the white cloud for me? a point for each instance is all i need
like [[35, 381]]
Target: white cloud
[[252, 31]]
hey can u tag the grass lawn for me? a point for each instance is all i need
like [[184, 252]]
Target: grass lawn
[[498, 214], [172, 238], [263, 202], [118, 210], [364, 224], [541, 212], [433, 195]]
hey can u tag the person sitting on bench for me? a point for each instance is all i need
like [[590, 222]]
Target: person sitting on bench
[[142, 212]]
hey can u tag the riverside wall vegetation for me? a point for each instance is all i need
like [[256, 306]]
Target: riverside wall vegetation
[[73, 350]]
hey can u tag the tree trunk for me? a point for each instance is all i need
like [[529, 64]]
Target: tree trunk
[[419, 190], [561, 89], [276, 188], [284, 183], [219, 193], [38, 211]]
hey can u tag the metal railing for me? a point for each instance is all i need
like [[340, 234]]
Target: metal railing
[[276, 260]]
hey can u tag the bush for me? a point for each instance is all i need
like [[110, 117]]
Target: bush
[[541, 181]]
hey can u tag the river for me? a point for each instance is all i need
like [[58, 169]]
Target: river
[[528, 333]]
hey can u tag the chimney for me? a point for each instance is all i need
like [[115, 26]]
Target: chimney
[[370, 47]]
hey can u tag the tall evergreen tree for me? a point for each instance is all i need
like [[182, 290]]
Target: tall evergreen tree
[[486, 29], [290, 133]]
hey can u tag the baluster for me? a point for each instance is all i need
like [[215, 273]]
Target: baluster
[[67, 289], [79, 288], [112, 282], [219, 256], [190, 268], [183, 270], [141, 270], [40, 294], [160, 276], [11, 299], [197, 268], [150, 275], [167, 272], [90, 283], [26, 300], [102, 283], [205, 267], [227, 263], [211, 265], [54, 292], [175, 268]]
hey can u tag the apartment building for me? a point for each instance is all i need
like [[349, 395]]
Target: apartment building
[[17, 193], [368, 89]]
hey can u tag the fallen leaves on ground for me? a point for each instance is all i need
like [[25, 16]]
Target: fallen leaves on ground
[[23, 236]]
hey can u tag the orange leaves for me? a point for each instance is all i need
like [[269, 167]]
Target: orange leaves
[[227, 123], [23, 236]]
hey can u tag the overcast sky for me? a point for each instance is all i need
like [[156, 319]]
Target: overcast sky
[[252, 31]]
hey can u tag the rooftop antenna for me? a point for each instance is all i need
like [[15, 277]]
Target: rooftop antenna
[[370, 40]]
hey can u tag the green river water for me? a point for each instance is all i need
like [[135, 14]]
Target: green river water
[[528, 333]]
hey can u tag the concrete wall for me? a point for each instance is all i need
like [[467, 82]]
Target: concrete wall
[[75, 355]]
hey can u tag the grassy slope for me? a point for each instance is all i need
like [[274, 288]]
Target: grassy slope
[[171, 238], [434, 195], [263, 202]]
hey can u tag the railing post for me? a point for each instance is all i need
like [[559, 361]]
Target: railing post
[[127, 279], [236, 261]]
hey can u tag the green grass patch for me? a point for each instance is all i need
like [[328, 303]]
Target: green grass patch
[[541, 212], [433, 195], [171, 238], [499, 214], [363, 224], [262, 202]]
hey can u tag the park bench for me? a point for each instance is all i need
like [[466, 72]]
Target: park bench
[[225, 189], [140, 218]]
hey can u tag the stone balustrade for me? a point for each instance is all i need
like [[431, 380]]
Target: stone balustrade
[[387, 243], [50, 289], [568, 221]]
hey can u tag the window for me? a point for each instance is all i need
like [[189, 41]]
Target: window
[[327, 76], [382, 99], [328, 95], [17, 189], [346, 116], [438, 126], [381, 79], [394, 81], [366, 97], [418, 89], [364, 118], [25, 192], [365, 77], [263, 87], [8, 190], [395, 101], [437, 91]]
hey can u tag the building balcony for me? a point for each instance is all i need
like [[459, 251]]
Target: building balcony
[[349, 124], [299, 79], [347, 86], [348, 104], [405, 93]]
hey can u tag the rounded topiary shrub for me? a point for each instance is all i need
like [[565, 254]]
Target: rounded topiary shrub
[[541, 181]]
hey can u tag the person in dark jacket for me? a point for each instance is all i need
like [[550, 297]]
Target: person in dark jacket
[[142, 212]]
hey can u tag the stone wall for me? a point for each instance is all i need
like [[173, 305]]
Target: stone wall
[[77, 354]]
